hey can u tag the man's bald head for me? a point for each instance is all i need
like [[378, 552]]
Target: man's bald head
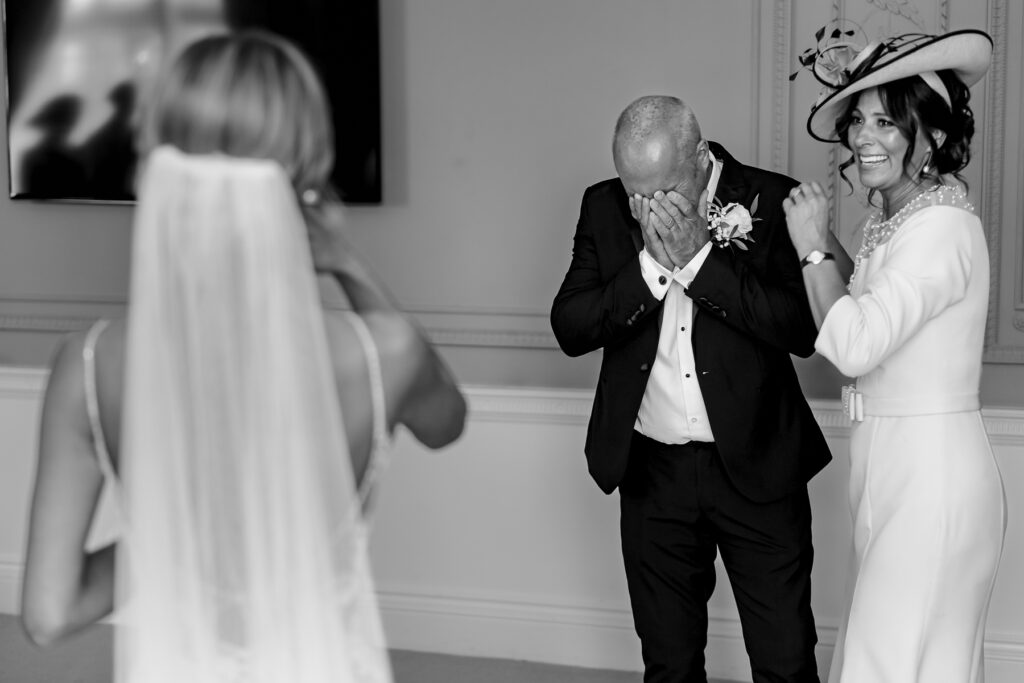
[[658, 146]]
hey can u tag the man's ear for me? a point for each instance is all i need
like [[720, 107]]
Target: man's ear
[[703, 152]]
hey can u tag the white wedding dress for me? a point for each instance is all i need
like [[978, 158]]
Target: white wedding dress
[[925, 494], [242, 555]]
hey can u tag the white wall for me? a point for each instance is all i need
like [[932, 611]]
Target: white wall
[[501, 546], [496, 116]]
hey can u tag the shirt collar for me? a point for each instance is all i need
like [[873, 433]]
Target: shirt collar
[[716, 173]]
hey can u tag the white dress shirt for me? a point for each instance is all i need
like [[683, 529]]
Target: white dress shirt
[[672, 410]]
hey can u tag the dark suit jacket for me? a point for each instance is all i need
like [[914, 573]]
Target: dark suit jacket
[[751, 313]]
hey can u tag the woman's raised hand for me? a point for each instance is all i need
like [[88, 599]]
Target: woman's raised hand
[[806, 210]]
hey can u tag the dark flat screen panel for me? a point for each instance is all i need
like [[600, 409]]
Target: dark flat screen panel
[[73, 66]]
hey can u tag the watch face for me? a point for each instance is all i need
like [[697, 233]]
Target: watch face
[[815, 257]]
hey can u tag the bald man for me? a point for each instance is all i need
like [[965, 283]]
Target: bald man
[[698, 419]]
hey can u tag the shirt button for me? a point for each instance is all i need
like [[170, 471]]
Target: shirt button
[[644, 367], [642, 308], [683, 328], [662, 279], [693, 419], [687, 374]]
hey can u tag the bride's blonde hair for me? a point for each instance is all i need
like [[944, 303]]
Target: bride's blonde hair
[[249, 94]]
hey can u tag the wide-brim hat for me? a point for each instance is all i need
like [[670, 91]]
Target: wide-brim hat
[[967, 53]]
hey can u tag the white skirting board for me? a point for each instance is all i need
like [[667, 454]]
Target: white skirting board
[[501, 546]]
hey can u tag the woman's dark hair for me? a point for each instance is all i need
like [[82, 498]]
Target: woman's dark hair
[[913, 106]]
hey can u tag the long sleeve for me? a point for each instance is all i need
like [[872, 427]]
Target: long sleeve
[[600, 303], [925, 269]]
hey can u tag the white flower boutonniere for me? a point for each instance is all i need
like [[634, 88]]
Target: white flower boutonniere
[[731, 224]]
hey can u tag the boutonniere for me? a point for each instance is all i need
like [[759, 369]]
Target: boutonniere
[[731, 223]]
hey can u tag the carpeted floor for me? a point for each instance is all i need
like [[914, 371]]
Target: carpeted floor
[[86, 659]]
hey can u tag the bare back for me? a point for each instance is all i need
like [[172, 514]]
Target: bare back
[[350, 365]]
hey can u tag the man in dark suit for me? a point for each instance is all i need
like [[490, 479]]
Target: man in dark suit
[[698, 418]]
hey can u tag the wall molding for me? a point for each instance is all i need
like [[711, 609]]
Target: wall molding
[[467, 335], [514, 329], [473, 329], [572, 406], [458, 623], [542, 405], [772, 29], [993, 143], [10, 585], [1002, 353], [22, 384]]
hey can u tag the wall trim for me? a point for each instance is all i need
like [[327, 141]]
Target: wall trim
[[444, 327], [1004, 354], [10, 586], [992, 172], [572, 406], [514, 339], [458, 623], [43, 323], [771, 40], [543, 405], [22, 383]]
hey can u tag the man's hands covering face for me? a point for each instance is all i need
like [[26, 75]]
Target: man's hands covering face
[[674, 229]]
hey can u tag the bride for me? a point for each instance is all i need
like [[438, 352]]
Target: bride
[[240, 424]]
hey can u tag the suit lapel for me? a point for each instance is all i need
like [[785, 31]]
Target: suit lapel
[[731, 186]]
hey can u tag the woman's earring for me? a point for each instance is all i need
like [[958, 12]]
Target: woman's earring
[[310, 197], [926, 168]]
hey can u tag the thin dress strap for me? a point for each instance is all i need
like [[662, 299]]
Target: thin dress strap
[[379, 438], [92, 404]]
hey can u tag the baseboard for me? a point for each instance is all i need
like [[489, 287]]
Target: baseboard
[[10, 586], [513, 627], [594, 637], [540, 405], [516, 628]]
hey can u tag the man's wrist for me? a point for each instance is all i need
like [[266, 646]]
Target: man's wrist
[[655, 274]]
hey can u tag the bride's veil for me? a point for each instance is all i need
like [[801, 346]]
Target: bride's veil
[[244, 557]]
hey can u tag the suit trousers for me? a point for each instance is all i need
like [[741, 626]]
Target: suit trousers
[[678, 509]]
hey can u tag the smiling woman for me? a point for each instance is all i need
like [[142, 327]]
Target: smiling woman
[[905, 136], [910, 327]]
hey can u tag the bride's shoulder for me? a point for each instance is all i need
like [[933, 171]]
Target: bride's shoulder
[[104, 339], [393, 336]]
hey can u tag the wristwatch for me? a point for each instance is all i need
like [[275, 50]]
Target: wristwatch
[[816, 257]]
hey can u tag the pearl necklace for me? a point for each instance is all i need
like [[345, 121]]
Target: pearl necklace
[[878, 232]]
